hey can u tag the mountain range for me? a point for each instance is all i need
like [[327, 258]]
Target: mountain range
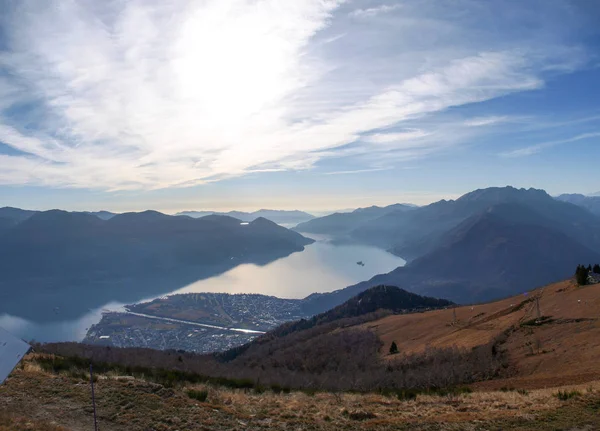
[[286, 217], [488, 244], [86, 259], [341, 223], [278, 216], [592, 203]]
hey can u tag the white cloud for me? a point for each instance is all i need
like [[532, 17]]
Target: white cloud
[[150, 94], [395, 137], [372, 11], [534, 149], [486, 121]]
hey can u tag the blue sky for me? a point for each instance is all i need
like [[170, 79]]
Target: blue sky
[[236, 104]]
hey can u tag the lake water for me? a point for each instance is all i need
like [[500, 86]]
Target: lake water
[[321, 267]]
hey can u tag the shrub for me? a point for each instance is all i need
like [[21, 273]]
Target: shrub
[[519, 391], [567, 395], [407, 394], [538, 321], [201, 395], [453, 391], [79, 375], [359, 415], [309, 391], [393, 348]]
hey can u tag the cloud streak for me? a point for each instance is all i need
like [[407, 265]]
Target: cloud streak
[[149, 94], [535, 149], [373, 11], [357, 171]]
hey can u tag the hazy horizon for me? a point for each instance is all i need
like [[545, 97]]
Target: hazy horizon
[[419, 199]]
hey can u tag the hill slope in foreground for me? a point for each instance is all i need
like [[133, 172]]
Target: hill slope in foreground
[[563, 346], [62, 402], [545, 354]]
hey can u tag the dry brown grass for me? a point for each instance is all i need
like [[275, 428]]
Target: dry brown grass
[[11, 422], [337, 409], [49, 402], [564, 351]]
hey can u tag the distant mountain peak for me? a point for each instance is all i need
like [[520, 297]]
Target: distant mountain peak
[[144, 216], [381, 297], [591, 203], [504, 193], [284, 217], [57, 220], [571, 195], [262, 221]]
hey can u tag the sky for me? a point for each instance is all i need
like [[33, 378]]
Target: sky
[[126, 105]]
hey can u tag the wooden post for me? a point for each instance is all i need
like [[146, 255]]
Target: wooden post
[[93, 397]]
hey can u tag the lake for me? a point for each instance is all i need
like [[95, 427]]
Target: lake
[[321, 267]]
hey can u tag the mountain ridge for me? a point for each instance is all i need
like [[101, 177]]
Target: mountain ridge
[[278, 216], [340, 223], [591, 203], [57, 251], [487, 256]]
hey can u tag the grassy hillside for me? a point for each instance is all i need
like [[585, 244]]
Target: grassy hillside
[[62, 402], [560, 347]]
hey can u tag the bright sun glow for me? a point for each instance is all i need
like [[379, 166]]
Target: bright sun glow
[[147, 94]]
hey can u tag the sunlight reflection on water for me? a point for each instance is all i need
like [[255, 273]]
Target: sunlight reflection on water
[[321, 267]]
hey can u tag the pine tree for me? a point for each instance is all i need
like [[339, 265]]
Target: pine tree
[[597, 269], [581, 275], [393, 348]]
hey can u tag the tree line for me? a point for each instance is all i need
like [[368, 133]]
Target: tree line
[[346, 360], [582, 273]]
